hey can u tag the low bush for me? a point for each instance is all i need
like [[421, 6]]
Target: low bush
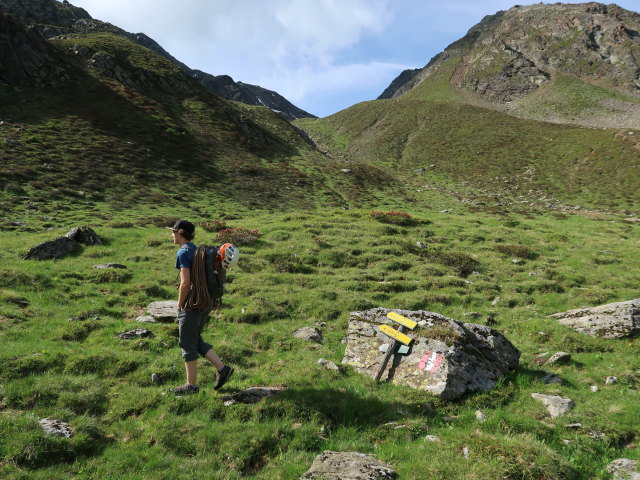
[[214, 225], [519, 251], [237, 236], [394, 218]]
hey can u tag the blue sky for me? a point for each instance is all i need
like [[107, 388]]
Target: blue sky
[[322, 55]]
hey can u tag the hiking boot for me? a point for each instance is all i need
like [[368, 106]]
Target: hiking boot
[[185, 389], [222, 376]]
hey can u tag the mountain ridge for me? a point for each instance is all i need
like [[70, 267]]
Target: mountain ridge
[[54, 19], [512, 61]]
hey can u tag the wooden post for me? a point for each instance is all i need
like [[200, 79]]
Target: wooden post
[[392, 348]]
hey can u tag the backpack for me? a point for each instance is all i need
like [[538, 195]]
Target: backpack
[[207, 278]]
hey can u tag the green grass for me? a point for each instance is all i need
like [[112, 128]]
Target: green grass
[[60, 356]]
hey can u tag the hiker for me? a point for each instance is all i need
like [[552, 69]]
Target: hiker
[[191, 320]]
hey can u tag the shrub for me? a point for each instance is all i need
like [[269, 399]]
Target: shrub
[[237, 236], [463, 263], [214, 225], [519, 251], [395, 218]]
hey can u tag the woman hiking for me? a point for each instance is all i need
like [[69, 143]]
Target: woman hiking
[[191, 318]]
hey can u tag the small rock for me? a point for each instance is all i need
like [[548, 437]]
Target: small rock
[[418, 171], [495, 301], [432, 438], [465, 452], [593, 388], [597, 435], [555, 405], [321, 324], [533, 274], [567, 442], [155, 378], [110, 265], [559, 358], [329, 365], [573, 426], [348, 465], [421, 245], [164, 311], [345, 170], [296, 426], [624, 468], [450, 418], [551, 379], [310, 334], [480, 416], [445, 211], [611, 380], [135, 333], [56, 427], [517, 261], [146, 319]]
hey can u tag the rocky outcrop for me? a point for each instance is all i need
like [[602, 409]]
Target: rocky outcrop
[[25, 57], [613, 320], [56, 248], [348, 466], [447, 358]]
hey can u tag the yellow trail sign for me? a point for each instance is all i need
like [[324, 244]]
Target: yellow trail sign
[[404, 321], [395, 334]]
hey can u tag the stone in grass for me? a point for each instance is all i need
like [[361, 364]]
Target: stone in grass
[[613, 320], [135, 333], [56, 248], [348, 466], [146, 319], [110, 265], [624, 468], [163, 311], [55, 427], [555, 405], [447, 358], [611, 380], [251, 395], [432, 438], [310, 334], [551, 378], [84, 235], [329, 365], [559, 358]]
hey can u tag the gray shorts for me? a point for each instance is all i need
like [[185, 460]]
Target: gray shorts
[[190, 324]]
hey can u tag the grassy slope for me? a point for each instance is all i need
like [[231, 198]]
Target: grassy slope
[[127, 153], [481, 152], [308, 268]]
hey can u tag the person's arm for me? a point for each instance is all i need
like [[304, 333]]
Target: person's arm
[[185, 287]]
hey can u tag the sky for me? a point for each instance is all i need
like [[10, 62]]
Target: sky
[[321, 55]]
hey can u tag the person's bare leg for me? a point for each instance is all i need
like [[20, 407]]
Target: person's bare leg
[[213, 358], [192, 372]]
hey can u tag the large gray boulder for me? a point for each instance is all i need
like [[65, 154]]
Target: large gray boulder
[[348, 466], [613, 320], [56, 248], [447, 358]]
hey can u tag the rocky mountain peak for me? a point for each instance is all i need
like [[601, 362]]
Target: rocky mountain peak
[[512, 54]]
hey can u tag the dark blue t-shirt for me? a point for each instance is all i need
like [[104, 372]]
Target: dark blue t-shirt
[[184, 257]]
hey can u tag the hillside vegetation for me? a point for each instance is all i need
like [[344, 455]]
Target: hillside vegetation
[[61, 358], [96, 130]]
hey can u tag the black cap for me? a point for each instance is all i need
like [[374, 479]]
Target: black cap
[[184, 225]]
